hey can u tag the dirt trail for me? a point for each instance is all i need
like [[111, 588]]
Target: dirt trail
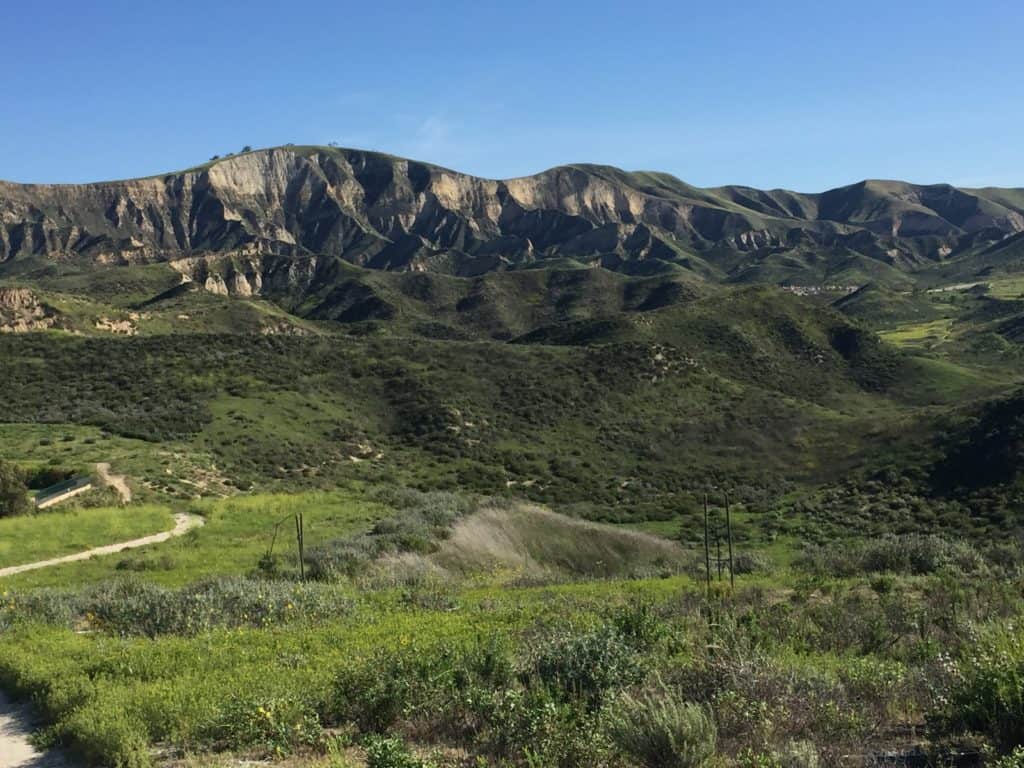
[[15, 750], [117, 482], [183, 523]]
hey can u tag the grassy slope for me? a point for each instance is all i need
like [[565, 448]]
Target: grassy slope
[[879, 305], [530, 542], [265, 418]]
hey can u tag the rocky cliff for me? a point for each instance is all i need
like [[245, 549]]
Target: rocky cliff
[[21, 311], [279, 217]]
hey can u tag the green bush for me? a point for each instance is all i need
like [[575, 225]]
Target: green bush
[[639, 624], [277, 724], [13, 491], [984, 688], [422, 521], [129, 607], [912, 553], [374, 694], [532, 725], [105, 734], [450, 687], [391, 752], [752, 562], [750, 758], [799, 754], [658, 730], [586, 665], [1013, 760]]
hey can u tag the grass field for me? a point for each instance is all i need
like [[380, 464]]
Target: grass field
[[237, 532], [1007, 287], [926, 335], [55, 532], [935, 381]]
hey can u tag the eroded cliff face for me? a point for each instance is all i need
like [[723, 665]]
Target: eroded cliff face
[[272, 219], [21, 311]]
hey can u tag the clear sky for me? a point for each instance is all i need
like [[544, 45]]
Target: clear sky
[[793, 93]]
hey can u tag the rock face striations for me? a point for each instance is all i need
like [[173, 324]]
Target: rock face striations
[[276, 218]]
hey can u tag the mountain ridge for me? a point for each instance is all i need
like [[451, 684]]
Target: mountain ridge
[[384, 212]]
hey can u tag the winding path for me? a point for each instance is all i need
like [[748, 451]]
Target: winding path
[[15, 724], [15, 749], [183, 523]]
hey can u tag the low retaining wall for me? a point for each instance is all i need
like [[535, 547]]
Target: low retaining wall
[[56, 495]]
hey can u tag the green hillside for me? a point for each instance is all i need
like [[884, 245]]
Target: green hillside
[[636, 471], [612, 397]]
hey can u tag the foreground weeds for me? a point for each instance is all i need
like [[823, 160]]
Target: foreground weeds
[[813, 671]]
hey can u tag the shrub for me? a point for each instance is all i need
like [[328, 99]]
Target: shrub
[[533, 726], [586, 665], [129, 607], [760, 702], [422, 520], [444, 685], [658, 730], [908, 553], [13, 498], [752, 562], [375, 693], [390, 752], [799, 754], [639, 624], [430, 595], [277, 724], [1013, 760], [106, 734], [984, 688], [748, 758], [46, 605]]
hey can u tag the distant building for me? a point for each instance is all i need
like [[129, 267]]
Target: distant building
[[817, 290]]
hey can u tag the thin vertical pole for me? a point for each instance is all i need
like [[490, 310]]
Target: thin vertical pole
[[718, 551], [707, 544], [298, 541], [728, 525]]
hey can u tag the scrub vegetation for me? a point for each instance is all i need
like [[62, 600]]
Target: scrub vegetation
[[500, 487]]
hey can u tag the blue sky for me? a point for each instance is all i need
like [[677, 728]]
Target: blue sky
[[802, 95]]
